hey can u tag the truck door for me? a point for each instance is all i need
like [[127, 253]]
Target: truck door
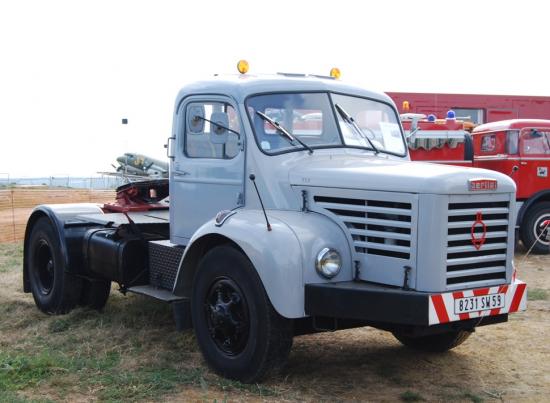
[[534, 161], [207, 169]]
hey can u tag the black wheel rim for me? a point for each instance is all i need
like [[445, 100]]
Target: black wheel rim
[[44, 267], [541, 232], [227, 316]]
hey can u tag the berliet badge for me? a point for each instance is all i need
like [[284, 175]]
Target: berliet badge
[[475, 185]]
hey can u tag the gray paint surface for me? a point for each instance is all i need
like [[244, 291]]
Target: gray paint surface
[[284, 257]]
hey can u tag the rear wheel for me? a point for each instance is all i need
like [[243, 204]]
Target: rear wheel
[[436, 342], [54, 290], [531, 231], [240, 334]]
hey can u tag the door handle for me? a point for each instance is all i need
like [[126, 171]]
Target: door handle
[[181, 173], [169, 147]]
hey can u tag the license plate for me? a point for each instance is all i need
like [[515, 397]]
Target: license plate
[[479, 303]]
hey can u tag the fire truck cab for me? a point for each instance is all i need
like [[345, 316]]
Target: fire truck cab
[[520, 148]]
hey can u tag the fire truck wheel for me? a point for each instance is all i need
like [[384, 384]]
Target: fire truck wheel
[[95, 294], [435, 342], [240, 334], [54, 290], [530, 228]]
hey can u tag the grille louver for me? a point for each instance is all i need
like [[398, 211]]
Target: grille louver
[[377, 227], [468, 267]]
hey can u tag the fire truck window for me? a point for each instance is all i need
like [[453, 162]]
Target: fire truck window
[[200, 133], [469, 114], [535, 141], [512, 138], [488, 143]]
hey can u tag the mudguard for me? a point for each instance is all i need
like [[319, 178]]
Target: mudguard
[[543, 195], [61, 216], [284, 257]]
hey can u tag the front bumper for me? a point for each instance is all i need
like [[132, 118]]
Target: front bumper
[[378, 303]]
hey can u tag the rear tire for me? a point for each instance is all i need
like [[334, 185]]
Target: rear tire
[[95, 294], [530, 228], [436, 342], [240, 334], [54, 290]]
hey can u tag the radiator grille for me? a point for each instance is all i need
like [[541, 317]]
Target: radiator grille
[[468, 267], [377, 227]]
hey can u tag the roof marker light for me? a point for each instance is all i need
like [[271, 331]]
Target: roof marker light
[[406, 106], [335, 73], [242, 66]]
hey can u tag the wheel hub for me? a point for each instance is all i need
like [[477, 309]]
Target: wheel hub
[[227, 316], [44, 267], [542, 233]]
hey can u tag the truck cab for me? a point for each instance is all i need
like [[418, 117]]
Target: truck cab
[[293, 208]]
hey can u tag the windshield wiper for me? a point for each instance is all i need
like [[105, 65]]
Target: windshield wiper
[[285, 133], [350, 121]]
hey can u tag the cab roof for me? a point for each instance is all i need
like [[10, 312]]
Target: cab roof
[[239, 87], [512, 124]]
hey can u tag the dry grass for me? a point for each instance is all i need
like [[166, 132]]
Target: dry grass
[[131, 352]]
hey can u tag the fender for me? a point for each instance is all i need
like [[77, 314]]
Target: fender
[[284, 258], [543, 195], [59, 215]]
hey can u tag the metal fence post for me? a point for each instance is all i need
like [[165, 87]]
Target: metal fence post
[[13, 216]]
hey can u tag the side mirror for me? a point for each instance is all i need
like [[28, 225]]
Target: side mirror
[[195, 119], [218, 132]]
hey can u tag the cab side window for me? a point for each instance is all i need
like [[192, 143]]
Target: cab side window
[[536, 141], [211, 130]]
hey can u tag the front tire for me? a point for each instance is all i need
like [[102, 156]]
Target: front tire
[[530, 229], [240, 334], [438, 343], [54, 290]]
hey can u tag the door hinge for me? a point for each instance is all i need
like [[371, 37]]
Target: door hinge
[[305, 207]]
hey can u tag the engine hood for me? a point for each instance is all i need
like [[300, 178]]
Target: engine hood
[[374, 173]]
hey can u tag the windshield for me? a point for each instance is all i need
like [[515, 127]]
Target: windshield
[[314, 120]]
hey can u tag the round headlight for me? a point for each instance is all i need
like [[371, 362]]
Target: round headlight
[[328, 262]]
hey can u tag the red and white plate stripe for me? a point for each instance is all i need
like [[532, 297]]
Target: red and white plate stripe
[[441, 308]]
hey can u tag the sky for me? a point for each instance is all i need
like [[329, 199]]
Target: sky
[[71, 70]]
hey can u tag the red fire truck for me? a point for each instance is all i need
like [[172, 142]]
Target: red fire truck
[[478, 108], [443, 141], [519, 148]]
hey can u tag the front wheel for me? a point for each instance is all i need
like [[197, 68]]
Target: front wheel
[[240, 334], [436, 342], [531, 232], [54, 290]]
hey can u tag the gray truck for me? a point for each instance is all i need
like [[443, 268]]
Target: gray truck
[[291, 207]]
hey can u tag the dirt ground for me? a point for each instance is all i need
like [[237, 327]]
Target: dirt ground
[[505, 362]]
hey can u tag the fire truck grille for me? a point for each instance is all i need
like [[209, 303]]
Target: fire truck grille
[[484, 224], [377, 227]]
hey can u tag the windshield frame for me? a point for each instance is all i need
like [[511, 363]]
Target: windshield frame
[[336, 120]]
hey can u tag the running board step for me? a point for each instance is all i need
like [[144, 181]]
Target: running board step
[[155, 292]]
